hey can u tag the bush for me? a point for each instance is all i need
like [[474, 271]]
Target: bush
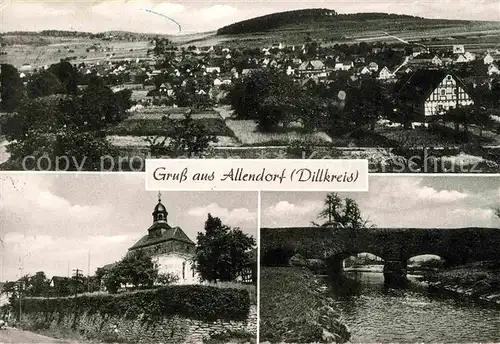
[[140, 127], [204, 303], [238, 336]]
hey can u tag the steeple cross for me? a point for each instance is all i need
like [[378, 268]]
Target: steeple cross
[[159, 196]]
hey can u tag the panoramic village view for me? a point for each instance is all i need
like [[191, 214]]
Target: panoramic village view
[[414, 260], [408, 93], [175, 268]]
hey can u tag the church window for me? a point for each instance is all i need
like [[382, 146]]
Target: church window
[[160, 217], [183, 270]]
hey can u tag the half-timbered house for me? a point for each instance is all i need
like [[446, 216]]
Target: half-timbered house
[[430, 93], [312, 68]]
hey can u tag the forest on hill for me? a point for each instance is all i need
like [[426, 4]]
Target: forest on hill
[[330, 18]]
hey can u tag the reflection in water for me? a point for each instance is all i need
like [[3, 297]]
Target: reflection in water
[[377, 313]]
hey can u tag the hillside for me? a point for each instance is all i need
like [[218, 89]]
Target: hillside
[[115, 35], [329, 19], [327, 25]]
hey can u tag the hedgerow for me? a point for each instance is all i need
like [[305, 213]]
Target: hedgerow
[[198, 302]]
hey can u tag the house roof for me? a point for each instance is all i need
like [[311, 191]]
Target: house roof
[[167, 234], [316, 64], [423, 82]]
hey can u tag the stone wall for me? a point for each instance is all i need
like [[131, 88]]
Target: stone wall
[[140, 330]]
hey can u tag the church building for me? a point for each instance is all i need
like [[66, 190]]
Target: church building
[[169, 247]]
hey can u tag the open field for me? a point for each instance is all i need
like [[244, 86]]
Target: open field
[[247, 134], [145, 127], [49, 50]]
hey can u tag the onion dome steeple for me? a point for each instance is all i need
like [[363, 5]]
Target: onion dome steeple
[[160, 213]]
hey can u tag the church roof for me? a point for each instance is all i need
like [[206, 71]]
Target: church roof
[[167, 234]]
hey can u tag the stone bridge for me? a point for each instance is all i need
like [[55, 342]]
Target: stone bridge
[[394, 245]]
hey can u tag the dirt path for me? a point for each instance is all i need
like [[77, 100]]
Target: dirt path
[[16, 336]]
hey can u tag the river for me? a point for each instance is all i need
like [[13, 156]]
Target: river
[[375, 313]]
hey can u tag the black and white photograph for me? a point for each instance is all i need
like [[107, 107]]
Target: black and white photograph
[[96, 259], [412, 86], [414, 260]]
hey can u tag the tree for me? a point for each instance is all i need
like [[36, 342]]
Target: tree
[[44, 84], [44, 113], [72, 149], [221, 251], [483, 119], [38, 285], [311, 112], [10, 287], [463, 115], [367, 103], [182, 137], [112, 281], [166, 278], [163, 51], [138, 269], [344, 212], [67, 75], [12, 90], [268, 96], [100, 106]]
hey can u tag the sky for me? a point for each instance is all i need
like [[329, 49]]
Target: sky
[[207, 15], [50, 221], [401, 201]]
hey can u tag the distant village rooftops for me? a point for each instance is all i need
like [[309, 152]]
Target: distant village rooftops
[[314, 64]]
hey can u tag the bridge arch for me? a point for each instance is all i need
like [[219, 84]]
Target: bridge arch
[[336, 261], [427, 261]]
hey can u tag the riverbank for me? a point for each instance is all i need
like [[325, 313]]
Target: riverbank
[[294, 308], [476, 281], [4, 155]]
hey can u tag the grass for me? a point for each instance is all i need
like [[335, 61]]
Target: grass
[[436, 136], [231, 337], [42, 50], [480, 278], [289, 307]]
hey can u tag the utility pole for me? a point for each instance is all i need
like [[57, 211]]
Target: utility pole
[[20, 291], [88, 274], [78, 274], [330, 211], [329, 200]]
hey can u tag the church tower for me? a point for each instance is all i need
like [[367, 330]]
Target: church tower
[[169, 247]]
